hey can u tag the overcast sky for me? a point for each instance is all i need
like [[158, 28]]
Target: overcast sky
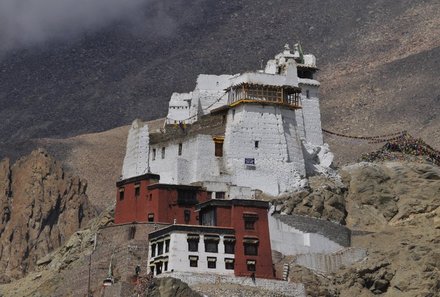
[[24, 23]]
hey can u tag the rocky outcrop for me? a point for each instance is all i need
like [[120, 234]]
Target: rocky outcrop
[[323, 199], [40, 208]]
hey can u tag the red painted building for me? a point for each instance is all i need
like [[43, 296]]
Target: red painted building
[[144, 199], [249, 220]]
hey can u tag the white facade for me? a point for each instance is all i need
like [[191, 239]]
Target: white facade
[[270, 138], [178, 256]]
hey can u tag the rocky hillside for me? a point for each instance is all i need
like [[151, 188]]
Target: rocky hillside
[[394, 210], [379, 62], [392, 207], [40, 208]]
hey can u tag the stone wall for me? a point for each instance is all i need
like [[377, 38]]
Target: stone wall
[[328, 263], [283, 287], [333, 231]]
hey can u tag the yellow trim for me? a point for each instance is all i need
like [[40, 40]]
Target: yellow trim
[[218, 139]]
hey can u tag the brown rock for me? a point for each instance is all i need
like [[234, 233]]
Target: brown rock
[[40, 207]]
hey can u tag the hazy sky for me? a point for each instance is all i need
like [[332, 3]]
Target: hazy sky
[[25, 23]]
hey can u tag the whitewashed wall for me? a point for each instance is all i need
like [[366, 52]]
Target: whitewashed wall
[[136, 156], [290, 241], [278, 158], [311, 114], [179, 256]]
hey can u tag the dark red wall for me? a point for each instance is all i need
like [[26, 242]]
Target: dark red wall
[[132, 208], [264, 267], [159, 201]]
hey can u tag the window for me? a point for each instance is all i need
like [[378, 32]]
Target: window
[[121, 194], [229, 245], [137, 189], [187, 215], [219, 195], [233, 114], [219, 149], [250, 246], [193, 261], [209, 195], [211, 244], [153, 250], [154, 154], [256, 144], [212, 262], [163, 153], [251, 265], [167, 246], [151, 217], [307, 94], [180, 149], [249, 220], [193, 242], [186, 197], [229, 264], [160, 248], [249, 224], [165, 266]]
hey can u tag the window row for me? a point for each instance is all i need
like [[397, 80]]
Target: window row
[[160, 247], [211, 262], [229, 263], [163, 150], [211, 244]]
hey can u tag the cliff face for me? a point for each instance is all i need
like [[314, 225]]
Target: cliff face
[[40, 208]]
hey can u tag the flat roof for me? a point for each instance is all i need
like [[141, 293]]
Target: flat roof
[[137, 179], [191, 228], [231, 202], [173, 186]]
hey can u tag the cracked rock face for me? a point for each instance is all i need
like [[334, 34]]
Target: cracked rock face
[[40, 208]]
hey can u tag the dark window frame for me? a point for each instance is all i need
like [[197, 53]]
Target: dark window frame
[[211, 264]]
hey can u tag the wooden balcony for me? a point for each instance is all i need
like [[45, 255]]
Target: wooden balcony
[[263, 94]]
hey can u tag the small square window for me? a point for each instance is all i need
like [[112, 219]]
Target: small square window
[[163, 153], [212, 262], [219, 195], [193, 261], [137, 190], [257, 144], [154, 154], [180, 149], [193, 242], [187, 215], [249, 224], [229, 247], [229, 264], [121, 194], [251, 249], [251, 265], [307, 94], [151, 217]]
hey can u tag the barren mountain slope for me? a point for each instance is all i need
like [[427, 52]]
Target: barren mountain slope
[[96, 157], [379, 62]]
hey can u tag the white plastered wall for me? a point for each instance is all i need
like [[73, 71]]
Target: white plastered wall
[[278, 158], [290, 241], [311, 114], [179, 256], [136, 156]]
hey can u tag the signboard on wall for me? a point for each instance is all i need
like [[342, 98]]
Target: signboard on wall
[[249, 161]]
